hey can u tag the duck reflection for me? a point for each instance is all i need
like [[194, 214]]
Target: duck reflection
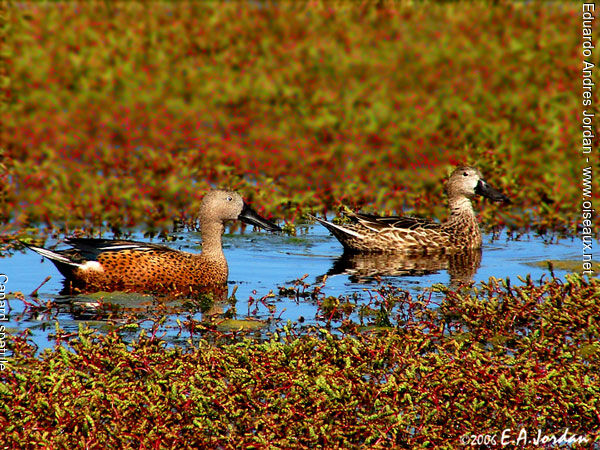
[[217, 291], [101, 306], [363, 267]]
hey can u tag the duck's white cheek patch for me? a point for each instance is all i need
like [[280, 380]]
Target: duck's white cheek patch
[[92, 266]]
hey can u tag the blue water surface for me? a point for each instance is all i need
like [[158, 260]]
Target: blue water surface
[[259, 264]]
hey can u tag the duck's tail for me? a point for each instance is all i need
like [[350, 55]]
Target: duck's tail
[[55, 257], [63, 262], [338, 231]]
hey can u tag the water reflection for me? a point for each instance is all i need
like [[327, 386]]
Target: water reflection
[[363, 267], [218, 292], [121, 307], [260, 265]]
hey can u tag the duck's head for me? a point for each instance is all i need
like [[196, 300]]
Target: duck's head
[[467, 182], [221, 206]]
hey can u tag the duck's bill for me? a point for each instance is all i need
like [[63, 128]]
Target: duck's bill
[[485, 190], [249, 216]]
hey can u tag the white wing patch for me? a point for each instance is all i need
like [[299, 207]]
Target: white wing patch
[[92, 266]]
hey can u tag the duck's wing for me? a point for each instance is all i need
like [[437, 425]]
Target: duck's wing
[[380, 223], [90, 249]]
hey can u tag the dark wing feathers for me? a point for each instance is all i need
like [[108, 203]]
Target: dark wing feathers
[[406, 222], [89, 248]]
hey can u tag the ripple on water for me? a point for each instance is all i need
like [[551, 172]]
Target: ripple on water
[[261, 263]]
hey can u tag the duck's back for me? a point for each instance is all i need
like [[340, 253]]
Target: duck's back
[[154, 270], [102, 264]]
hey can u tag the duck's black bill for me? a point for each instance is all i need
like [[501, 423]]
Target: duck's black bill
[[248, 215], [485, 190]]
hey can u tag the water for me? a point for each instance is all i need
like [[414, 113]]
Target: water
[[260, 263]]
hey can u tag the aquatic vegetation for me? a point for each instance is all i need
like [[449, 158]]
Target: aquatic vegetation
[[121, 116], [483, 361], [128, 122]]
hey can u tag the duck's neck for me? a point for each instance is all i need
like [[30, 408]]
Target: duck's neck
[[462, 224], [461, 209], [212, 244]]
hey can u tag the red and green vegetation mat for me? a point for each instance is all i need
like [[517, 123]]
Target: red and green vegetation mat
[[496, 358], [124, 114], [120, 115]]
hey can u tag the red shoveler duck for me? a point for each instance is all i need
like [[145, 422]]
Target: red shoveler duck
[[373, 233], [120, 265]]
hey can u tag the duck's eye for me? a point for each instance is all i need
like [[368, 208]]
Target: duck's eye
[[465, 174], [229, 199]]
